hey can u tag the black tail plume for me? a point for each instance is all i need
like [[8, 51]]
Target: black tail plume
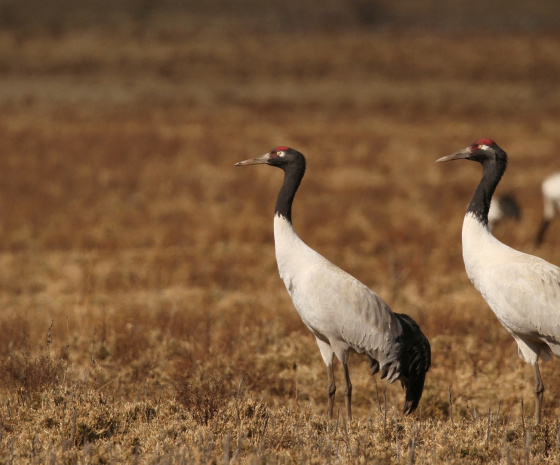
[[415, 361]]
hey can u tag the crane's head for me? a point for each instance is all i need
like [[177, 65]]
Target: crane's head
[[280, 156], [482, 151]]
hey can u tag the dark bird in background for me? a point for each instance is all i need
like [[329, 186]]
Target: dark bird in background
[[501, 208], [551, 199]]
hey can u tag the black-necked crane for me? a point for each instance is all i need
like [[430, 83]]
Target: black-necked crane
[[501, 208], [342, 313], [521, 289], [551, 199]]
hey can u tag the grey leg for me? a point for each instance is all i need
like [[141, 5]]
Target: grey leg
[[540, 234], [328, 356], [348, 392], [331, 389], [539, 389]]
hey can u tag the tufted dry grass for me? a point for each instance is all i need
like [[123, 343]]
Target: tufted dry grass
[[143, 319]]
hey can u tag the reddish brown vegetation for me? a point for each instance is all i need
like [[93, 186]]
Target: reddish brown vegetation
[[131, 243]]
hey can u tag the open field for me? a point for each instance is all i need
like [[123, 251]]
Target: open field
[[141, 312]]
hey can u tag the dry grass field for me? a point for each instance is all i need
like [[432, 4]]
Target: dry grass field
[[142, 316]]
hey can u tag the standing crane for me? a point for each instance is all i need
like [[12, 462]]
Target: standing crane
[[342, 313], [521, 289], [551, 198]]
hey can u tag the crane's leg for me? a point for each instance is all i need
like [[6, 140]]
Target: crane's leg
[[348, 391], [331, 389], [540, 234], [539, 389], [328, 356]]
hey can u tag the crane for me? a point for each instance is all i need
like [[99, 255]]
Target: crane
[[342, 313], [502, 207], [551, 198], [521, 289]]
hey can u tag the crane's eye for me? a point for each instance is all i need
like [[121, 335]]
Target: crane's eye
[[279, 154]]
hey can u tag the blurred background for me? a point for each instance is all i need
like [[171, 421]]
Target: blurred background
[[127, 231]]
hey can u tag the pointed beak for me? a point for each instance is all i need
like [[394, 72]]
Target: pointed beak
[[263, 159], [465, 153]]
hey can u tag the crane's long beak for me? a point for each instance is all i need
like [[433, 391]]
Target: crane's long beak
[[465, 153], [255, 161]]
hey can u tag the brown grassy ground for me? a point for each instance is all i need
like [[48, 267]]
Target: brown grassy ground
[[142, 316]]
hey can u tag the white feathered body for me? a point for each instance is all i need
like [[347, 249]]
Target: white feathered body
[[335, 306], [521, 289]]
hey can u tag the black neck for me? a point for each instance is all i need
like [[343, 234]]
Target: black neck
[[480, 203], [293, 174]]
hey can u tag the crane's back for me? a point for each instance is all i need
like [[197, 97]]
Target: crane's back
[[332, 303]]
